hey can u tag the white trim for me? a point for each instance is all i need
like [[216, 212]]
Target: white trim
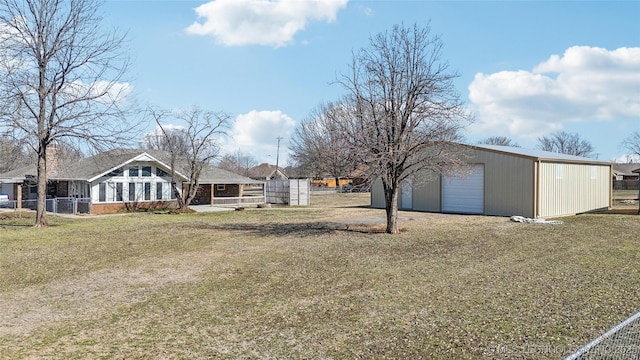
[[144, 157]]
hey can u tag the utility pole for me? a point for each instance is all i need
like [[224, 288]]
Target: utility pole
[[275, 175]]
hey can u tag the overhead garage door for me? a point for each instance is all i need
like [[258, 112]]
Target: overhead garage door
[[464, 194]]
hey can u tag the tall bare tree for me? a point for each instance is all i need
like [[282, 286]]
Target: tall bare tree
[[632, 143], [499, 140], [320, 147], [565, 143], [407, 114], [191, 147], [237, 162], [61, 77]]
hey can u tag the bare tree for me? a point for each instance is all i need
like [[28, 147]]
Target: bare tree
[[632, 143], [61, 79], [165, 137], [320, 147], [191, 148], [499, 140], [407, 114], [565, 143], [13, 154], [238, 163]]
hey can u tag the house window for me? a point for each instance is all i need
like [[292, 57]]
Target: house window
[[118, 191], [172, 192], [132, 191], [146, 171], [133, 172], [147, 191], [102, 192], [220, 187], [161, 173], [158, 191], [116, 172]]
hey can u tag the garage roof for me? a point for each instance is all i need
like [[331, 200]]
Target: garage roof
[[540, 154]]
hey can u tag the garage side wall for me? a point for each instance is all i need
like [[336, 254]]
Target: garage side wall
[[508, 185], [426, 191], [568, 189], [377, 194]]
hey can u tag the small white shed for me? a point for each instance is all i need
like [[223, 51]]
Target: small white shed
[[292, 192]]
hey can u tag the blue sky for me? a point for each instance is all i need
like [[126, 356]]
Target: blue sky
[[528, 68]]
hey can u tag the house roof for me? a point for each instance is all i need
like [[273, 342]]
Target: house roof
[[93, 167], [626, 169], [265, 171], [19, 173], [211, 175], [538, 154]]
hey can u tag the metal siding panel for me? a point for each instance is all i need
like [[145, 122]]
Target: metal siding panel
[[509, 184], [406, 195], [426, 191], [568, 189], [377, 195]]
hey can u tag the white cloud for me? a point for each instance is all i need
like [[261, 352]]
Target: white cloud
[[584, 84], [255, 133], [261, 22], [113, 91]]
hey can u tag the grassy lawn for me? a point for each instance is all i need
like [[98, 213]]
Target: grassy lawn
[[318, 282]]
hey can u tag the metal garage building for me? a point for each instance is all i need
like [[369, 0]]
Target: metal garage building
[[507, 181]]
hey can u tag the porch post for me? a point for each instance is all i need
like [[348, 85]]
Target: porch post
[[18, 196], [212, 194]]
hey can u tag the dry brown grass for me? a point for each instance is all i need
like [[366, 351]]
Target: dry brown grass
[[318, 282]]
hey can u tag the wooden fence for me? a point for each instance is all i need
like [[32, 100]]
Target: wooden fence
[[626, 185]]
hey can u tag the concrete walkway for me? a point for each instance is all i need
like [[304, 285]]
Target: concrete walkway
[[209, 208]]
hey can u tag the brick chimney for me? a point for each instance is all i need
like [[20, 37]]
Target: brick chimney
[[53, 161]]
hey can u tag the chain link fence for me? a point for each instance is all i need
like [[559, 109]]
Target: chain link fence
[[68, 205], [621, 342]]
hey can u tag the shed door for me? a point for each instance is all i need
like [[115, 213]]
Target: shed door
[[464, 194]]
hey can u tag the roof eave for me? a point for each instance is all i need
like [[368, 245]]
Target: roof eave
[[542, 159]]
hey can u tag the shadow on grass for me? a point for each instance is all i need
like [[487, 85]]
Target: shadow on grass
[[16, 225], [295, 229], [619, 211]]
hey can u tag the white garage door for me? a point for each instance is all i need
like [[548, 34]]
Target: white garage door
[[464, 194]]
